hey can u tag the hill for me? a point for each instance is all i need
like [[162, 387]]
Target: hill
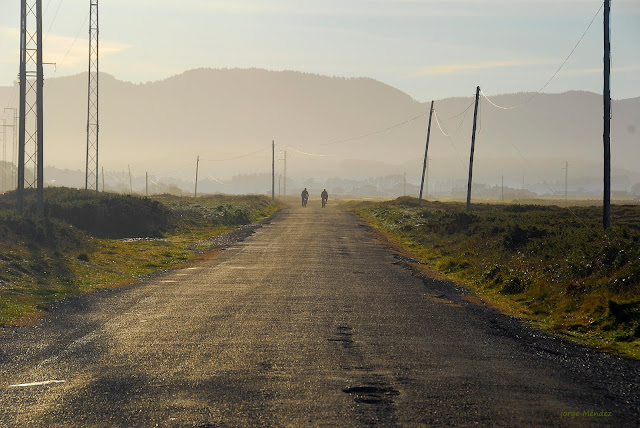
[[161, 127]]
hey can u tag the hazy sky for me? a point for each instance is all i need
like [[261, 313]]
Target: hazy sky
[[430, 49]]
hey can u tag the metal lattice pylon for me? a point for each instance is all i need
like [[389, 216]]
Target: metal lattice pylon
[[92, 103], [30, 159]]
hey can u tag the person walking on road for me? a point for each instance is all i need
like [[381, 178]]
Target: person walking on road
[[305, 197], [325, 197]]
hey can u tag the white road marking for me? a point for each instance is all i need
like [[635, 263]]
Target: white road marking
[[169, 281], [46, 382]]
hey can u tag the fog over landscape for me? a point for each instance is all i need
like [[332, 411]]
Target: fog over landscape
[[222, 213], [332, 129]]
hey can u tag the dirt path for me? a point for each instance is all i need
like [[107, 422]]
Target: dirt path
[[308, 322]]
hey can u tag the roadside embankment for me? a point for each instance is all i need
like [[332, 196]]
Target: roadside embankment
[[555, 267], [87, 240]]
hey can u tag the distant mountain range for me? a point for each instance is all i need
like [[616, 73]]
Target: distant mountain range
[[332, 127]]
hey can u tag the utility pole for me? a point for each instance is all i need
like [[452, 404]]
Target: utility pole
[[404, 185], [146, 184], [30, 145], [473, 143], [103, 179], [566, 180], [426, 152], [4, 155], [426, 180], [93, 126], [195, 193], [606, 136], [130, 181], [273, 170], [285, 174]]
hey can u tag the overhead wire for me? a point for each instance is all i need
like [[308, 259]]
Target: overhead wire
[[528, 100], [53, 20], [441, 127], [307, 154], [376, 132], [461, 113], [571, 53], [74, 40], [498, 106], [212, 178], [236, 157]]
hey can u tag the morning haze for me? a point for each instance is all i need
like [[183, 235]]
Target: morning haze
[[221, 114]]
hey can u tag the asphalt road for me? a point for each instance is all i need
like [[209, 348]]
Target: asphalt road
[[307, 322]]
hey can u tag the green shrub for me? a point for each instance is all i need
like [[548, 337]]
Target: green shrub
[[517, 237], [109, 215]]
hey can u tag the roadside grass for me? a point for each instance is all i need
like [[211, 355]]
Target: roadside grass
[[553, 266], [87, 241]]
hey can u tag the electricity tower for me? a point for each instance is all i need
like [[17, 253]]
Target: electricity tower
[[93, 126], [30, 158]]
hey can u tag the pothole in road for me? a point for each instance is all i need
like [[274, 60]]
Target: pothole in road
[[371, 394]]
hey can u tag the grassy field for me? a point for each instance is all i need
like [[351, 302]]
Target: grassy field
[[86, 241], [553, 266]]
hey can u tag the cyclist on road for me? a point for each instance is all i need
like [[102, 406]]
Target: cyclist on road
[[305, 197], [325, 197]]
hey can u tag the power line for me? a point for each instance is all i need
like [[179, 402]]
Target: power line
[[440, 126], [528, 100], [53, 20], [237, 157], [75, 39], [461, 113], [378, 131], [307, 154], [212, 178]]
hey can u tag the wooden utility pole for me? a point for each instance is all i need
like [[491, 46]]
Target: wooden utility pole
[[606, 136], [146, 184], [195, 192], [273, 170], [566, 180], [426, 153], [404, 185], [473, 143], [130, 181], [4, 155], [426, 180]]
